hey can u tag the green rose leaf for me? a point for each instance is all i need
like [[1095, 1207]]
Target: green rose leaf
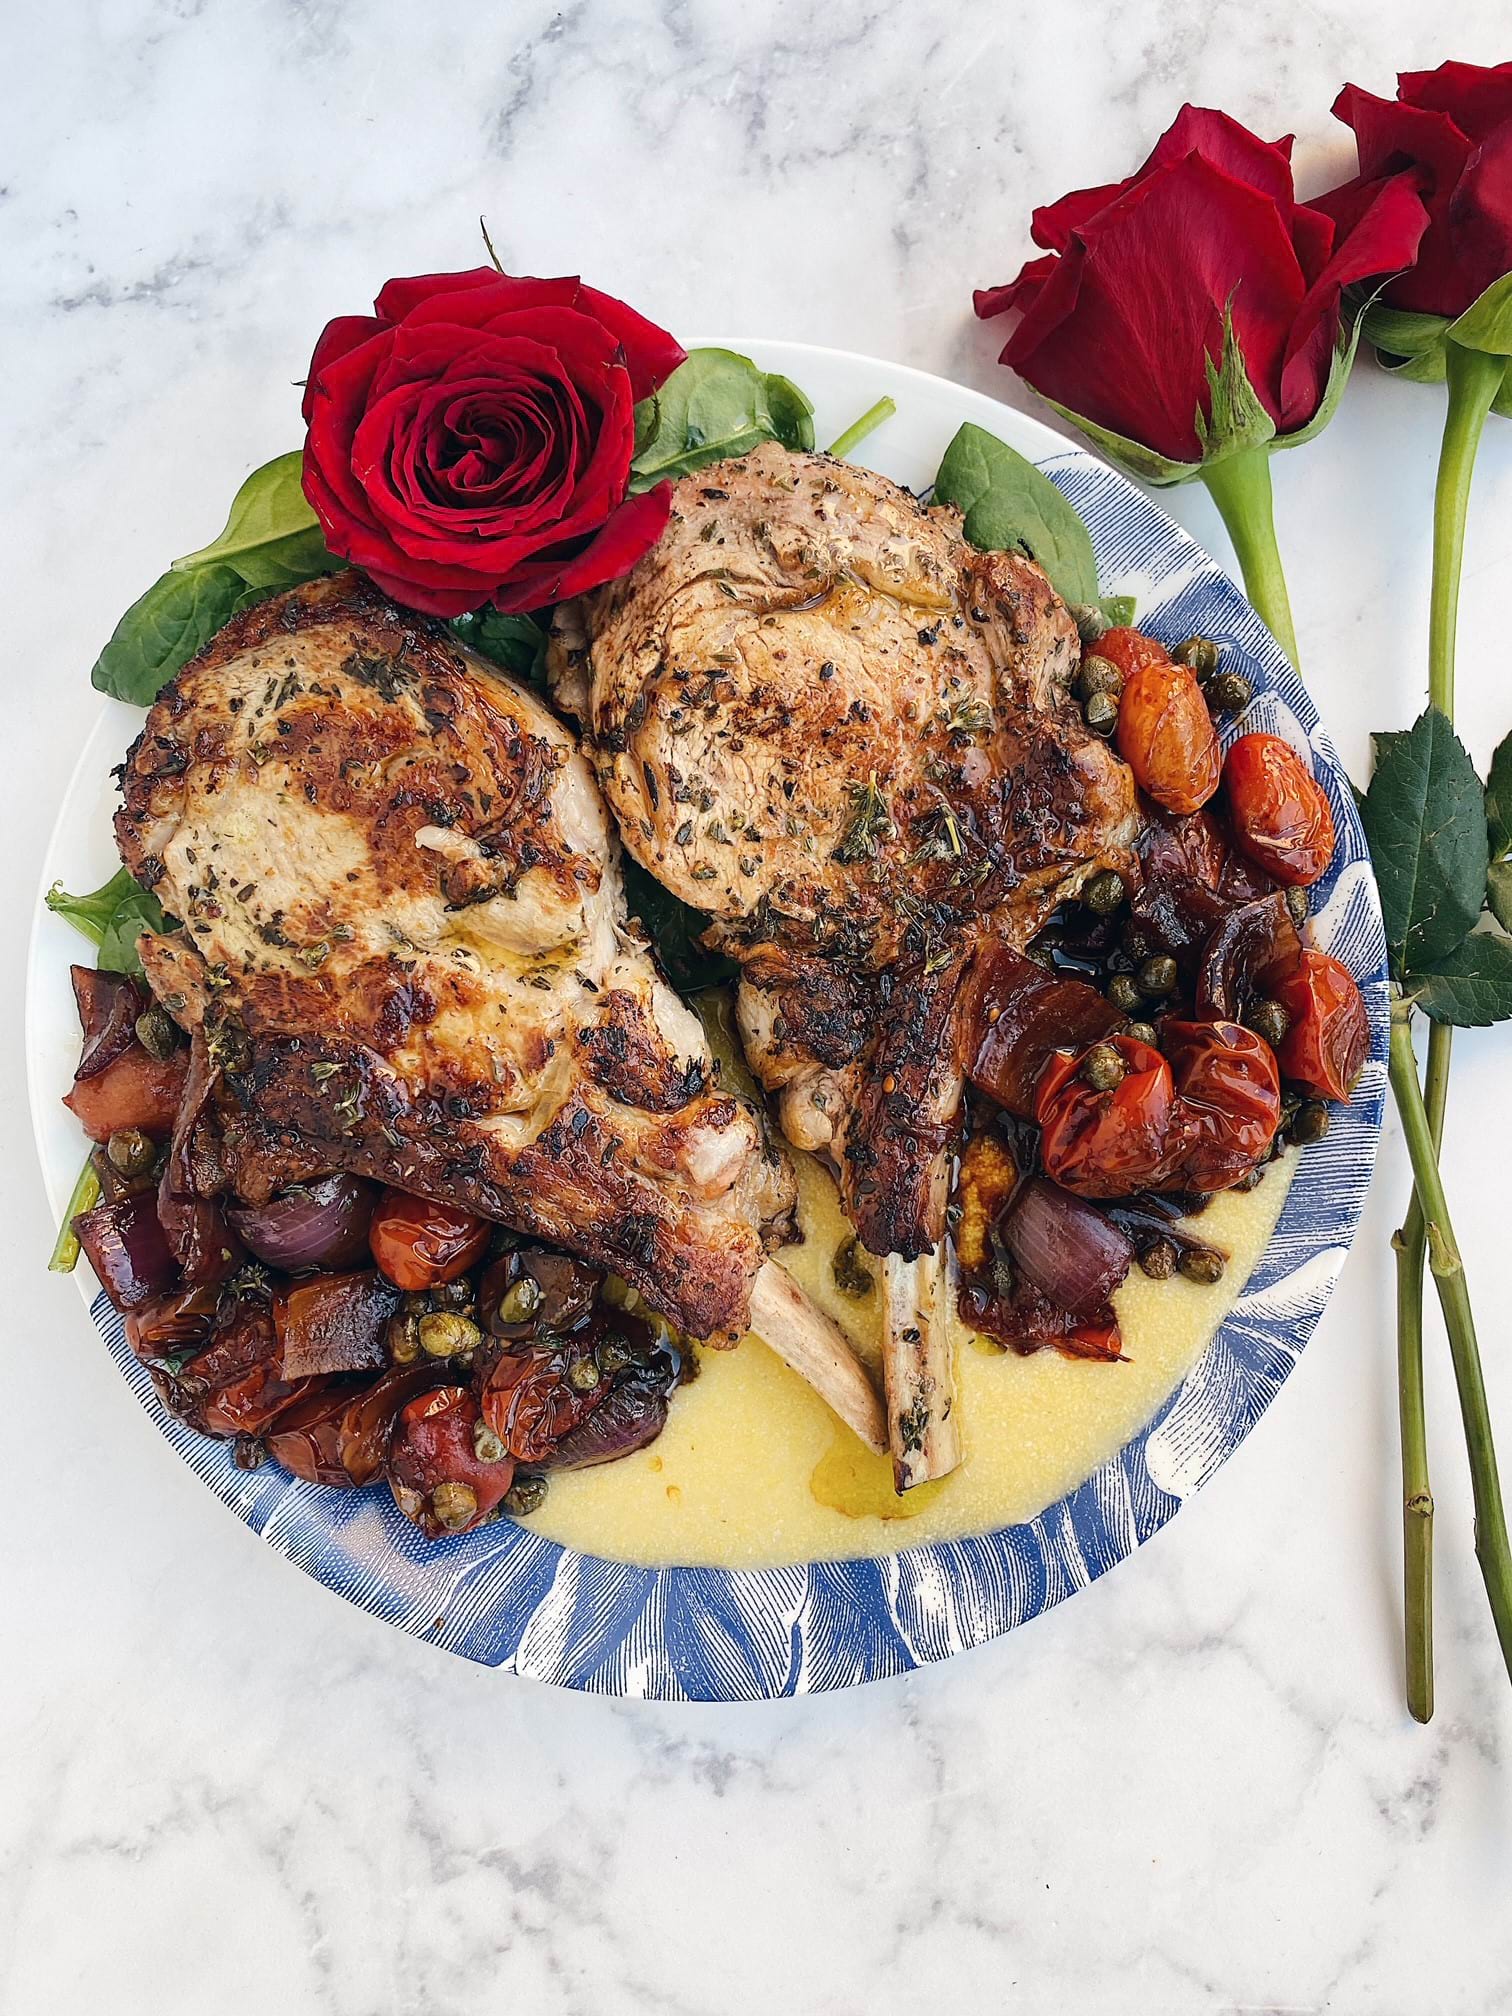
[[112, 917], [1499, 798], [1407, 345], [272, 537], [1119, 609], [1010, 506], [514, 643], [1472, 987], [163, 629], [1487, 323], [1425, 818], [715, 404], [1499, 892]]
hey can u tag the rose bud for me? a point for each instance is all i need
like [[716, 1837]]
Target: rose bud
[[470, 442]]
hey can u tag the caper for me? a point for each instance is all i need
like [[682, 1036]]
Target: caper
[[487, 1446], [1270, 1020], [403, 1340], [1199, 655], [444, 1334], [613, 1355], [616, 1291], [1201, 1263], [1296, 902], [852, 1275], [525, 1495], [583, 1375], [1140, 942], [131, 1151], [1141, 1032], [520, 1300], [1101, 713], [1098, 677], [1104, 891], [1091, 624], [1103, 1067], [456, 1294], [1158, 1260], [1228, 692], [156, 1033], [1158, 975], [1124, 993], [1310, 1123], [453, 1505]]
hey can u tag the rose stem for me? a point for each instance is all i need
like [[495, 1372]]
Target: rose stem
[[1491, 1547], [858, 430], [1241, 488], [1473, 382]]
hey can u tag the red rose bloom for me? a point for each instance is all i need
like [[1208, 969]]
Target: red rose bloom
[[470, 442], [1123, 317], [1452, 129]]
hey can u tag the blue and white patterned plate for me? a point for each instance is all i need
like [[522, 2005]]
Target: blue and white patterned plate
[[507, 1597]]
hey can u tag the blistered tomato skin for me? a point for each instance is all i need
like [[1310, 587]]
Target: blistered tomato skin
[[1112, 1143], [1228, 1101], [1328, 1039], [435, 1472], [1129, 650], [419, 1244], [1278, 811], [1166, 736]]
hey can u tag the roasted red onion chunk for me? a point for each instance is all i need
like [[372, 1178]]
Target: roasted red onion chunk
[[1073, 1253], [124, 1244], [323, 1223], [631, 1417], [108, 1005]]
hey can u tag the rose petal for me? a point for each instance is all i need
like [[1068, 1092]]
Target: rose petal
[[625, 536], [1477, 97]]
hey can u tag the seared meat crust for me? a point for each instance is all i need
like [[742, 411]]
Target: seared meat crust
[[404, 942], [822, 716]]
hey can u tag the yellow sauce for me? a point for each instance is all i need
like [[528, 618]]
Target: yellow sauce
[[752, 1469]]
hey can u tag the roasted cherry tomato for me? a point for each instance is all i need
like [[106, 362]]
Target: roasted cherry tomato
[[1278, 811], [1228, 1101], [1166, 735], [1129, 650], [534, 1396], [1329, 1036], [420, 1244], [1106, 1143], [437, 1476]]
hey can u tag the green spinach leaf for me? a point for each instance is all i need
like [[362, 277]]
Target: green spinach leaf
[[715, 404], [674, 929], [1009, 505], [1425, 818], [1472, 987], [272, 537], [112, 917], [163, 629], [516, 644]]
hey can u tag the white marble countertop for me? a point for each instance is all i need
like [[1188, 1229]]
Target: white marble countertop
[[1194, 1788]]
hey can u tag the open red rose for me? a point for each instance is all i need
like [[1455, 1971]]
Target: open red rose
[[470, 442], [1452, 129], [1123, 317]]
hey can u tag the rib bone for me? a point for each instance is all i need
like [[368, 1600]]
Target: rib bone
[[805, 1338]]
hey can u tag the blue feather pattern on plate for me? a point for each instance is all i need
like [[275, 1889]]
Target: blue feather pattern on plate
[[509, 1598]]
